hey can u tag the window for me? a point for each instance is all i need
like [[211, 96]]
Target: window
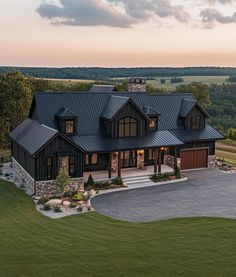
[[151, 154], [70, 126], [72, 166], [49, 168], [86, 159], [127, 127], [94, 159], [195, 122], [152, 124]]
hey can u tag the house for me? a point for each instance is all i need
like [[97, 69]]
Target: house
[[110, 131]]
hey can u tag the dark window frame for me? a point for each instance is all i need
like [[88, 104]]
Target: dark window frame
[[89, 158], [66, 122], [126, 123], [72, 164], [195, 122], [49, 168], [152, 129]]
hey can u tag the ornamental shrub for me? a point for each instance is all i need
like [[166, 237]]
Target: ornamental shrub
[[118, 181]]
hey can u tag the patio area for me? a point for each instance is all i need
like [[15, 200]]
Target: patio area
[[126, 172]]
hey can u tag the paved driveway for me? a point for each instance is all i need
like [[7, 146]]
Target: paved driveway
[[207, 192]]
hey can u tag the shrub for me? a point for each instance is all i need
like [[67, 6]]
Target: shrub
[[47, 207], [43, 200], [90, 182], [73, 205], [177, 173], [57, 209], [70, 193], [118, 181], [160, 176], [77, 197]]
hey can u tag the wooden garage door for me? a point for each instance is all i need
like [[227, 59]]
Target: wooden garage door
[[194, 158]]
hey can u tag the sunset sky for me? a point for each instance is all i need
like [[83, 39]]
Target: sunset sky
[[118, 33]]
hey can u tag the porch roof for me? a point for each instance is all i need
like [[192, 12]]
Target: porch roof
[[98, 143]]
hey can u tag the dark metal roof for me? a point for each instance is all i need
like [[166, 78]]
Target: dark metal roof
[[113, 105], [99, 143], [186, 107], [150, 111], [31, 135], [102, 88], [208, 133], [65, 113], [89, 107]]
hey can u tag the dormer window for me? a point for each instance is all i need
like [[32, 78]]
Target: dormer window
[[152, 126], [70, 127], [196, 122]]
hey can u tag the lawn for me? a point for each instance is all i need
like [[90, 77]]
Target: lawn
[[93, 245], [227, 149]]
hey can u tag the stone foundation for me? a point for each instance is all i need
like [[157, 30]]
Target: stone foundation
[[212, 161], [51, 188], [23, 177]]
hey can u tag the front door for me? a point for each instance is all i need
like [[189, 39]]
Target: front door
[[128, 159]]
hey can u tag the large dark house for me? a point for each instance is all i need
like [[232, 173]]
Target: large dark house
[[90, 131]]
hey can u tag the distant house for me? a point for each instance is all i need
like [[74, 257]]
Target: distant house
[[110, 131]]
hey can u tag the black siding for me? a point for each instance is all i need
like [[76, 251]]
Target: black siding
[[103, 161], [209, 144], [57, 147], [195, 112], [24, 159]]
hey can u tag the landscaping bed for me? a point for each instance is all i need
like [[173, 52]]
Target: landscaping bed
[[164, 177]]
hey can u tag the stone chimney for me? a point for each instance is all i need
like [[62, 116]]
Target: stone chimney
[[137, 85]]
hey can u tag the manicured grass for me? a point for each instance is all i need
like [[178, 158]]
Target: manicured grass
[[93, 245], [230, 157]]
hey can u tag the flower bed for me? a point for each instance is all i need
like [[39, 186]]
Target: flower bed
[[163, 177]]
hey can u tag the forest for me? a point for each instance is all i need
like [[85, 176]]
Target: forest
[[97, 73]]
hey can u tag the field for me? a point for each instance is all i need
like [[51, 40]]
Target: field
[[227, 150], [68, 81], [93, 245], [187, 80]]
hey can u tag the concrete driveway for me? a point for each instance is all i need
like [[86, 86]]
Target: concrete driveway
[[207, 192]]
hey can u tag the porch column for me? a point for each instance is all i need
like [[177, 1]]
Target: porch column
[[109, 166], [155, 160], [175, 158], [119, 164], [159, 160]]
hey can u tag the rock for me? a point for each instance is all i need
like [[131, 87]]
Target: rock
[[54, 202], [92, 192], [66, 203]]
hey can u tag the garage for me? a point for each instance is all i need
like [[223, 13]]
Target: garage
[[194, 158]]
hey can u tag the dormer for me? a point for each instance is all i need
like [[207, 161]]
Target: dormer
[[153, 115], [193, 115], [67, 121]]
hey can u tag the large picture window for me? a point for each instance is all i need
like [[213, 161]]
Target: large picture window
[[127, 127], [195, 122]]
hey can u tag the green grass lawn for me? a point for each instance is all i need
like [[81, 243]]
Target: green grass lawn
[[230, 157], [93, 245], [187, 80]]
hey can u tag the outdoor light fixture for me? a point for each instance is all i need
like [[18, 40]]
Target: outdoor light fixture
[[141, 152]]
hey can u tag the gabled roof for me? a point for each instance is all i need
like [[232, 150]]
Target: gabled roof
[[98, 143], [102, 88], [208, 133], [150, 111], [65, 113], [31, 135], [89, 107], [188, 105], [115, 104]]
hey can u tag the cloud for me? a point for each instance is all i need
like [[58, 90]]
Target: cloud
[[113, 13], [212, 16]]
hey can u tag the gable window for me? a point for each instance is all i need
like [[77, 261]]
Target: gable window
[[49, 168], [70, 126], [152, 124], [195, 122], [127, 127]]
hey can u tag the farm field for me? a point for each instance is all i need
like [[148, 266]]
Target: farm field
[[93, 245], [227, 150], [187, 80]]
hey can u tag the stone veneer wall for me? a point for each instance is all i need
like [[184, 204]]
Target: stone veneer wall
[[136, 87], [23, 177], [169, 161], [50, 187], [212, 161]]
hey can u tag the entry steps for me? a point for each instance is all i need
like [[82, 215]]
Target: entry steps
[[136, 179]]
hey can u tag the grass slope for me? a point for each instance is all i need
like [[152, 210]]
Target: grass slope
[[93, 245]]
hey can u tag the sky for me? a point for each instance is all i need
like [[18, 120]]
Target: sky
[[118, 33]]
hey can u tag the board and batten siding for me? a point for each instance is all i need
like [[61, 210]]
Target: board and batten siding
[[129, 111], [54, 149], [24, 159], [195, 112]]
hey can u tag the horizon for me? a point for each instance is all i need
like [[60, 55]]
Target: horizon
[[118, 33]]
